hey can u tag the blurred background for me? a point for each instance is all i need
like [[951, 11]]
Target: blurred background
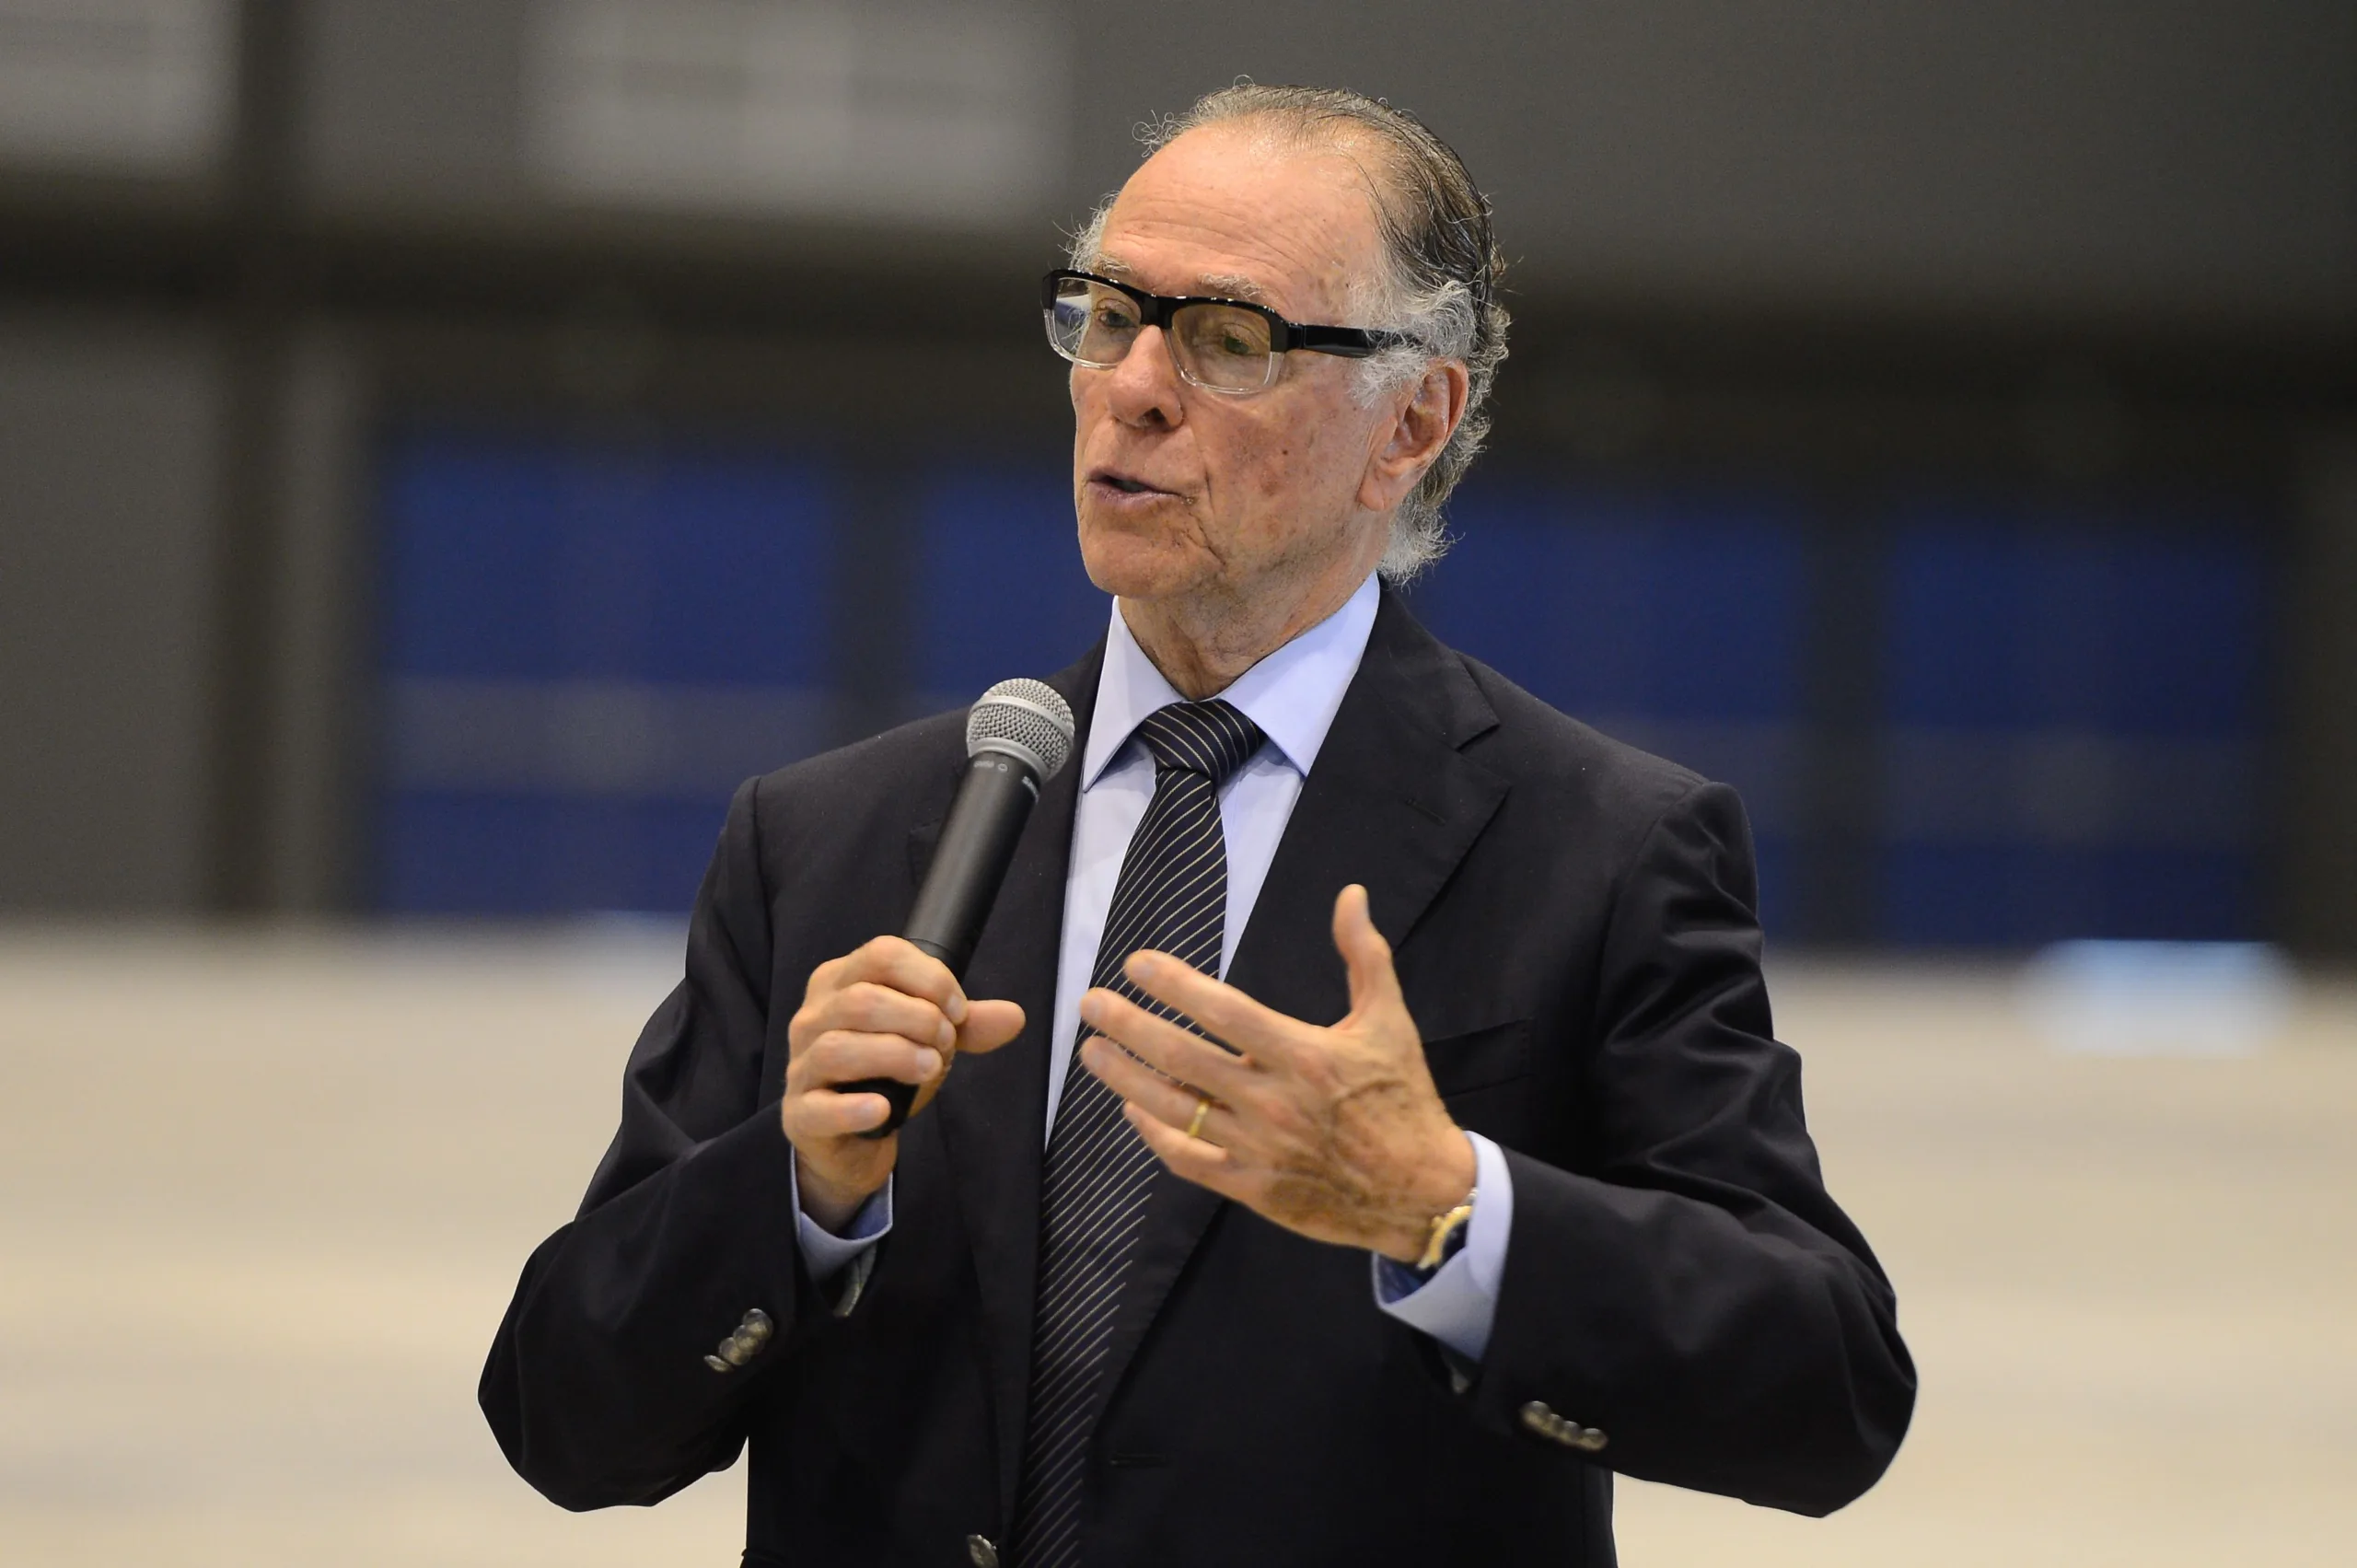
[[446, 444]]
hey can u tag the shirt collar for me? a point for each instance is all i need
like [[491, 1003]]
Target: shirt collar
[[1293, 694]]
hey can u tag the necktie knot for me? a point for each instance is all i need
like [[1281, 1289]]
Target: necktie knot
[[1211, 739]]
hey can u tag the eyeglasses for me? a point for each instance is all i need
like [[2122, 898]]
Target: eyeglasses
[[1221, 346]]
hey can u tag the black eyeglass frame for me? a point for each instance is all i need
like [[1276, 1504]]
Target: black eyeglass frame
[[1284, 337]]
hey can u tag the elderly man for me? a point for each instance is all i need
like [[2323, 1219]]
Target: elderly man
[[1373, 1138]]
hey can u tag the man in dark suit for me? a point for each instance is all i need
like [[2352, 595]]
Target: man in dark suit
[[1374, 1136]]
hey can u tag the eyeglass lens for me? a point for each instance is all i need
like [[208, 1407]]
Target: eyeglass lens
[[1219, 346]]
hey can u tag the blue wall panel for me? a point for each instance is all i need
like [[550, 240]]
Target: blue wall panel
[[2101, 689], [1671, 621], [1000, 588], [486, 854], [531, 585], [2044, 624], [2073, 721], [1664, 607], [544, 560], [2013, 894]]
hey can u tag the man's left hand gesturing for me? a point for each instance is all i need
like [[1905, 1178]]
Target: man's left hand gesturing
[[1334, 1130]]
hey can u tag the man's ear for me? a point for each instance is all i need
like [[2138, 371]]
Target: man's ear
[[1426, 417]]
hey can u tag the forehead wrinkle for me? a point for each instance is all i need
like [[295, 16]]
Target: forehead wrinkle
[[1191, 208]]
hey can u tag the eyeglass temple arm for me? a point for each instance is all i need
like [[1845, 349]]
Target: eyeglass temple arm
[[1345, 342]]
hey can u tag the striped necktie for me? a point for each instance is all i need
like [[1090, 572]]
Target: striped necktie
[[1172, 897]]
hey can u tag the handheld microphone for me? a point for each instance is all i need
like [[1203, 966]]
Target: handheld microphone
[[1018, 738]]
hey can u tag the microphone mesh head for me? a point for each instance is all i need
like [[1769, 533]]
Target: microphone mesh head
[[1030, 719]]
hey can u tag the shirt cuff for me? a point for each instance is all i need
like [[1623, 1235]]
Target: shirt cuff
[[824, 1253], [1459, 1303]]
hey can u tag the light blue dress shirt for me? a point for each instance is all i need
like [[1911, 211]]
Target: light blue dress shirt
[[1293, 695]]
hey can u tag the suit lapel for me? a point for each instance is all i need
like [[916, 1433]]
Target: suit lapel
[[1392, 803], [993, 1109]]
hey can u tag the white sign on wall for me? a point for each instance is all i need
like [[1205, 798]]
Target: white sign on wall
[[116, 87], [940, 111]]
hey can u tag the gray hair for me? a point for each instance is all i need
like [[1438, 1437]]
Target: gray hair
[[1439, 286]]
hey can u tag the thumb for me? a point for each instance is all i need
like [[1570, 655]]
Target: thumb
[[989, 1025], [1364, 953]]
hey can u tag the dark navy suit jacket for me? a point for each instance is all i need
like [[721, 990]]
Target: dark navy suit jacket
[[1576, 938]]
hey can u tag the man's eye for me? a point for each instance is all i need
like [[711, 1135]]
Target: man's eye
[[1113, 319], [1235, 343]]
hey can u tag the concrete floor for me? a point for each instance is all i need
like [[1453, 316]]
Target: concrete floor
[[262, 1199]]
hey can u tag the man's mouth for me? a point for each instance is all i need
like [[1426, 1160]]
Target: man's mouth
[[1124, 484]]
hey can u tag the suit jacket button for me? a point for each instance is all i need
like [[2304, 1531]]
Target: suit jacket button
[[1540, 1418], [756, 1327], [981, 1552], [1587, 1439], [717, 1364]]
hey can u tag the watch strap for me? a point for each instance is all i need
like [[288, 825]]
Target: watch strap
[[1447, 1237]]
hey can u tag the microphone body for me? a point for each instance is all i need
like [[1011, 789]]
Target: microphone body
[[976, 846], [1017, 736]]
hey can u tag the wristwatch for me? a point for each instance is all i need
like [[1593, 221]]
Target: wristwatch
[[1448, 1234]]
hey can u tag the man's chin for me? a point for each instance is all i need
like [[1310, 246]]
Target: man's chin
[[1135, 564]]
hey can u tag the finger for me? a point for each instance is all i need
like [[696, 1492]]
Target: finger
[[823, 1113], [1171, 1103], [900, 965], [989, 1025], [873, 1008], [1163, 1045], [843, 1056], [1192, 1159], [1365, 952], [1221, 1009]]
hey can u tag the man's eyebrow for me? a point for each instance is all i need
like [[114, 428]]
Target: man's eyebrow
[[1211, 285], [1228, 285]]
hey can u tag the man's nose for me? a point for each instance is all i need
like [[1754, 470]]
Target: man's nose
[[1145, 383]]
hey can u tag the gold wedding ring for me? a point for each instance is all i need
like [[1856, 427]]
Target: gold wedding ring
[[1203, 1108]]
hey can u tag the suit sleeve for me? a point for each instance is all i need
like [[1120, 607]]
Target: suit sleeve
[[1691, 1291], [597, 1387]]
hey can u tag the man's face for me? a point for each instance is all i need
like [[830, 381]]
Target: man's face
[[1185, 492]]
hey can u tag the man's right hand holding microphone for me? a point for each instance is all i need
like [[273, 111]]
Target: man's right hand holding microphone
[[885, 1010]]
